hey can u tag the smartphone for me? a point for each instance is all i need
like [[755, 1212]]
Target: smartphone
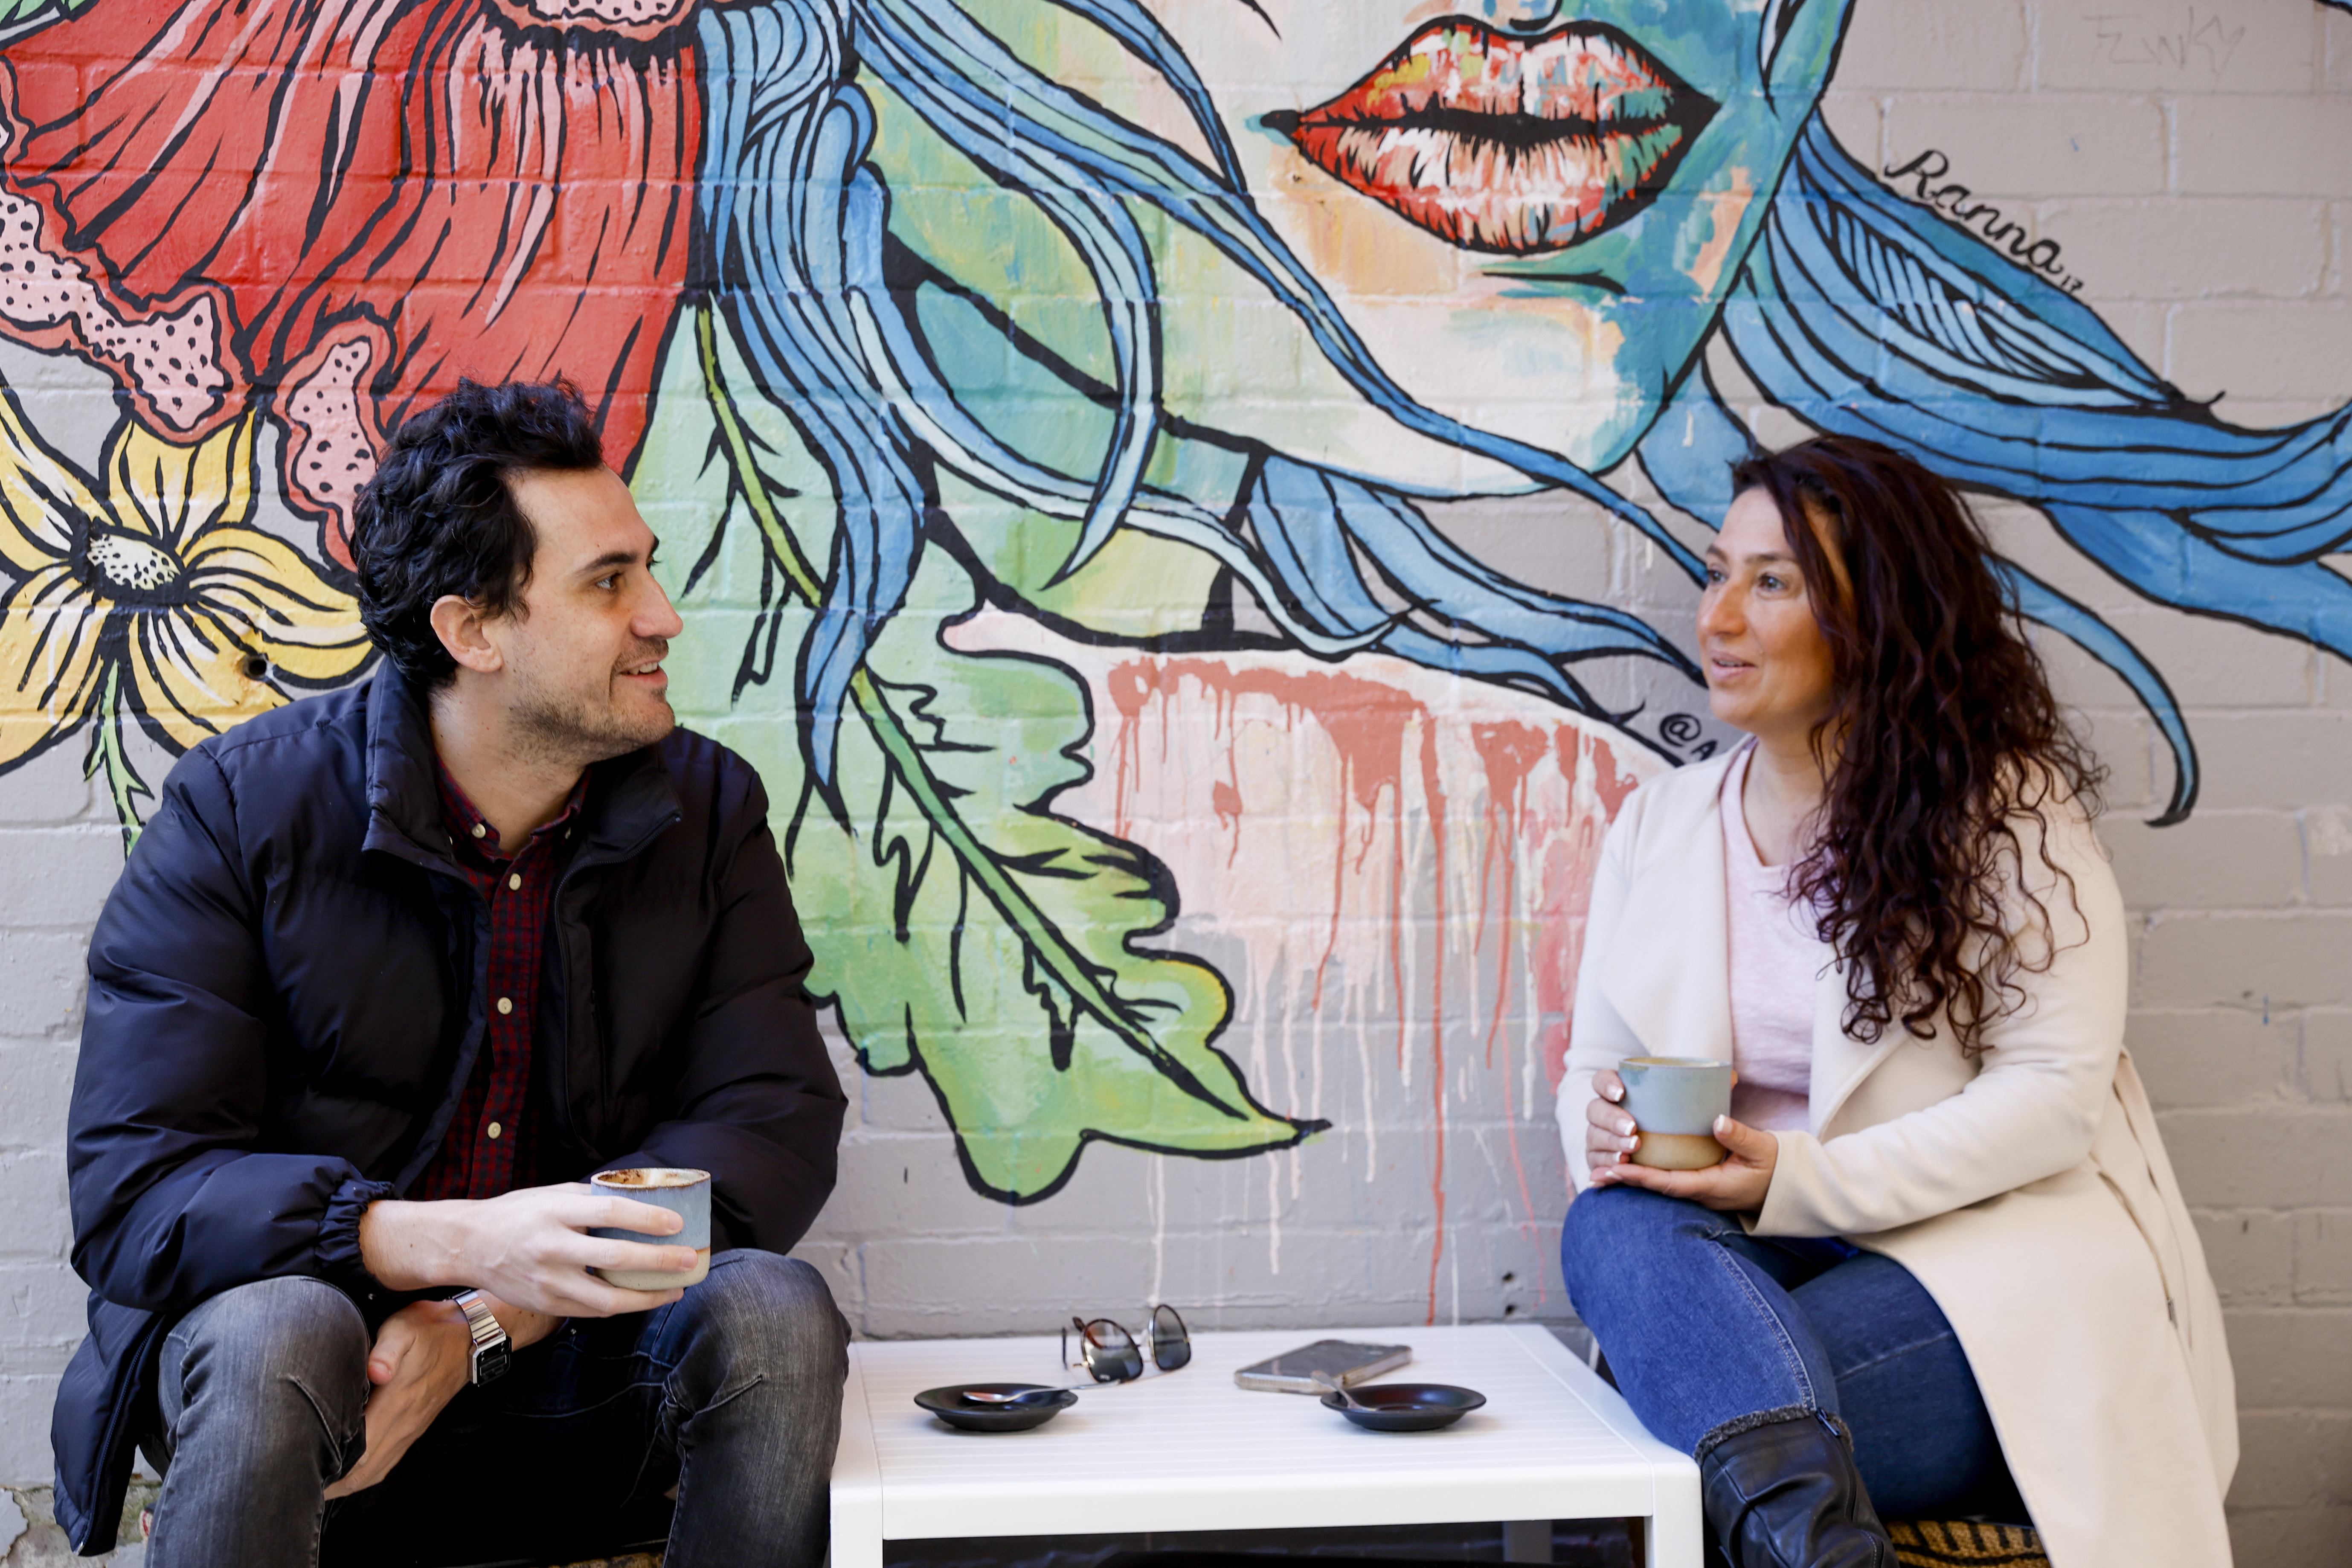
[[1292, 1372]]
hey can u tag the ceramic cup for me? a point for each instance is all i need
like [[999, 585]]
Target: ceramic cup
[[1673, 1101], [684, 1193]]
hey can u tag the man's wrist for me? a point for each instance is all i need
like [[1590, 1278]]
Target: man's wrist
[[409, 1246]]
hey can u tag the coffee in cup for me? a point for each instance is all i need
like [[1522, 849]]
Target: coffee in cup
[[684, 1193], [1673, 1101]]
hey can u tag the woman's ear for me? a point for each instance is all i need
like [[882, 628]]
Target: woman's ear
[[462, 627]]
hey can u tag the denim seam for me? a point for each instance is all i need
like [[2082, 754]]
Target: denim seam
[[1779, 1331], [1882, 1359], [343, 1442], [673, 1403]]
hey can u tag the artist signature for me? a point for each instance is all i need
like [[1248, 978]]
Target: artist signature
[[1957, 203]]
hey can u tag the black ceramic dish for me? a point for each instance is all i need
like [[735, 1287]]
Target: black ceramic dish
[[1407, 1406], [975, 1415]]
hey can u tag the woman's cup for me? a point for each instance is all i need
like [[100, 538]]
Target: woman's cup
[[684, 1193], [1673, 1101]]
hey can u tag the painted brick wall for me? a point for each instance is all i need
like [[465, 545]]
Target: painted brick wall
[[2190, 166]]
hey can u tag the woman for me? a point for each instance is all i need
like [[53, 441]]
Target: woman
[[1945, 1268]]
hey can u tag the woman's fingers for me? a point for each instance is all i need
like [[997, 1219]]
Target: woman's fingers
[[1748, 1143], [1609, 1131]]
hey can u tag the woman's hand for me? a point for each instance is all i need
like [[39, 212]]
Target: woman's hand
[[1608, 1128], [1737, 1186]]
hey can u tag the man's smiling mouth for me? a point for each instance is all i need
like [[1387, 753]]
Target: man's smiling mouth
[[1503, 144]]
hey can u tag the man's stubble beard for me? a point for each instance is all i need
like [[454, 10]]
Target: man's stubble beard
[[568, 731]]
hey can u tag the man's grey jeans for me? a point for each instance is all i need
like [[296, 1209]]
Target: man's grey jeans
[[731, 1394]]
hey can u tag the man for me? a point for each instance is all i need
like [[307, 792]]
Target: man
[[389, 972]]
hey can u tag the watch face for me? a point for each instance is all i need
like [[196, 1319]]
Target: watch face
[[490, 1361]]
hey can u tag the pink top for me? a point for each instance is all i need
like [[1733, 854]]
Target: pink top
[[1776, 959]]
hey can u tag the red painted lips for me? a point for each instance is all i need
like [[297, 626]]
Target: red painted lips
[[1504, 144]]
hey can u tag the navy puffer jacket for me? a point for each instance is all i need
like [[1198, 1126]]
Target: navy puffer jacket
[[286, 997]]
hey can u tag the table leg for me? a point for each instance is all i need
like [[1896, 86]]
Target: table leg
[[1527, 1541], [856, 1481], [1676, 1536]]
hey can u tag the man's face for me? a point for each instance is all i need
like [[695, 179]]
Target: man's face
[[584, 654]]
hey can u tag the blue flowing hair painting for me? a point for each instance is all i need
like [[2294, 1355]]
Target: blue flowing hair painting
[[1854, 309]]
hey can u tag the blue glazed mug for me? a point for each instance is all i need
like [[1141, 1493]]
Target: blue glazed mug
[[1673, 1101], [684, 1193]]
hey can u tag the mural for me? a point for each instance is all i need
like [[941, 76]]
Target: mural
[[1051, 406]]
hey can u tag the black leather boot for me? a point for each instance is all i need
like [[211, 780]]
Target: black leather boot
[[1785, 1495]]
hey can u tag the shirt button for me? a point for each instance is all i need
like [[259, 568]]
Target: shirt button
[[494, 1130], [515, 880], [506, 1003], [479, 830]]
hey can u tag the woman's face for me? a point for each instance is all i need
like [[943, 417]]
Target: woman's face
[[1769, 668], [1529, 210]]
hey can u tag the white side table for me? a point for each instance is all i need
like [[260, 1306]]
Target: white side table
[[1192, 1451]]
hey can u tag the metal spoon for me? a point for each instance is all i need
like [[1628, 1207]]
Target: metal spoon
[[1326, 1380], [1026, 1397]]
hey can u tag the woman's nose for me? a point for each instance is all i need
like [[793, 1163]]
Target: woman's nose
[[1717, 616], [1523, 15]]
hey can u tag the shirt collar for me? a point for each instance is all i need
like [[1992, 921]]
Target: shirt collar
[[469, 829]]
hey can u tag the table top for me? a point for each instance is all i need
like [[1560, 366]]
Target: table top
[[1191, 1450]]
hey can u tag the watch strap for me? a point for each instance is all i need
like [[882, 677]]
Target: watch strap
[[492, 1348]]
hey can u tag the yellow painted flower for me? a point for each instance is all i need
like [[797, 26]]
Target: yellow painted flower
[[146, 592]]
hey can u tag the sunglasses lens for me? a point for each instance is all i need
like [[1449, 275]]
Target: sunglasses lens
[[1111, 1353], [1171, 1347]]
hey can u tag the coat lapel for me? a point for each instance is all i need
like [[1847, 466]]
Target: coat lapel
[[1840, 1061], [1669, 973]]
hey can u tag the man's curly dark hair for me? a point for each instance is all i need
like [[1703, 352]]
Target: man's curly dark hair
[[439, 517], [1942, 737]]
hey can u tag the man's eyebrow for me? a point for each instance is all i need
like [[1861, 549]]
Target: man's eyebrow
[[606, 561]]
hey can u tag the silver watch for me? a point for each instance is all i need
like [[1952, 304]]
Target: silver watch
[[492, 1349]]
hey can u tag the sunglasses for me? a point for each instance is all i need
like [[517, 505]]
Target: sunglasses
[[1109, 1354]]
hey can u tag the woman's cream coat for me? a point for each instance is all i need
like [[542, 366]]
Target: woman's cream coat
[[2027, 1191]]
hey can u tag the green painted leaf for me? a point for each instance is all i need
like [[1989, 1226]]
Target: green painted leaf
[[16, 13], [963, 929]]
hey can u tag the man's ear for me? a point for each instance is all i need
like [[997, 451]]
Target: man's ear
[[463, 630]]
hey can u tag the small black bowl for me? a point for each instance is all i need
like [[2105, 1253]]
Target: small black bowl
[[1407, 1406], [973, 1416]]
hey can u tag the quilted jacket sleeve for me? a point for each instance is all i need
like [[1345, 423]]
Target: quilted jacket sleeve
[[172, 1202], [758, 1104]]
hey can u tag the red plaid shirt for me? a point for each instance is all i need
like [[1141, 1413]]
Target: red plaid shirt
[[491, 1146]]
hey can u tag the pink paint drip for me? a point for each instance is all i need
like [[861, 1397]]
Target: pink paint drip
[[1367, 721]]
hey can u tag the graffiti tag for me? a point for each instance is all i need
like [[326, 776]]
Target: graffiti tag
[[2124, 40], [1957, 203]]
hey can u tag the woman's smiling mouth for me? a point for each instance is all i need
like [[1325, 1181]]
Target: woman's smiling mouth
[[1504, 144]]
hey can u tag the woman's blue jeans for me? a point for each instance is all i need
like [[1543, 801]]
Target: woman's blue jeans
[[1710, 1331]]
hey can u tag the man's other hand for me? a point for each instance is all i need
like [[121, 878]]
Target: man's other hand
[[529, 1248], [422, 1358]]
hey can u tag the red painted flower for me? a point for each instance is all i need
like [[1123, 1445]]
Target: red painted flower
[[343, 205]]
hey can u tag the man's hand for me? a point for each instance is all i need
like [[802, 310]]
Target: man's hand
[[422, 1356], [1737, 1186], [528, 1246]]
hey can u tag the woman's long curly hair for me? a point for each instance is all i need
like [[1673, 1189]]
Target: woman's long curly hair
[[1942, 737]]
